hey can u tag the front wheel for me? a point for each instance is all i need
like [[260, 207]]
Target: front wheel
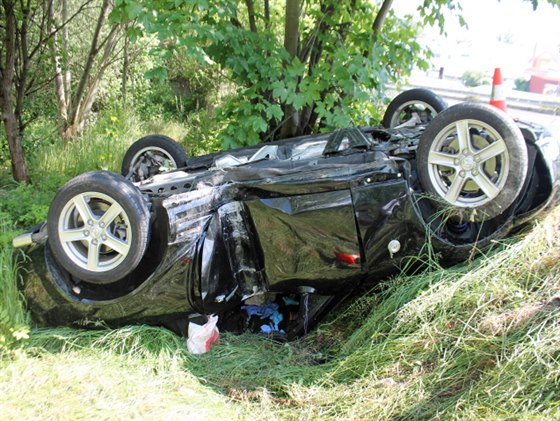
[[473, 159], [98, 226]]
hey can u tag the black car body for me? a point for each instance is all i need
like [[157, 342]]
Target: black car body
[[313, 218]]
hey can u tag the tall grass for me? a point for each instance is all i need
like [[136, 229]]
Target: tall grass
[[471, 342], [14, 319], [103, 145], [478, 341]]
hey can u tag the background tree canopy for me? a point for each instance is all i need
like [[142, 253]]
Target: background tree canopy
[[298, 66], [263, 70]]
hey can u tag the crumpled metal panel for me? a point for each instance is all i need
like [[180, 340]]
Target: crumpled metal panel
[[189, 213], [231, 269]]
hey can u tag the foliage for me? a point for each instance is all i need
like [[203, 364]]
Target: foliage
[[337, 79], [187, 88], [473, 79], [201, 136], [14, 320], [522, 84]]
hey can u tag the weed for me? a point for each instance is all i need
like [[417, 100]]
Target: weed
[[14, 320]]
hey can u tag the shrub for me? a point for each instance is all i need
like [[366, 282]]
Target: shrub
[[521, 84], [472, 79]]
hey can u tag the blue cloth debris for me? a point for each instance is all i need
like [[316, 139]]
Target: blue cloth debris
[[289, 301], [266, 311]]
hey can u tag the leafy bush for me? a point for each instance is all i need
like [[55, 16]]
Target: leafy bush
[[14, 320], [202, 135], [521, 84], [473, 79], [334, 82]]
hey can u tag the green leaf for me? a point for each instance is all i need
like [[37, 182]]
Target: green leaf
[[298, 67], [157, 73], [133, 10], [274, 112], [279, 90]]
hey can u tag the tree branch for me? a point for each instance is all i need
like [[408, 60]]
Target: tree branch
[[251, 15], [94, 49], [45, 36], [381, 16], [291, 27], [267, 14]]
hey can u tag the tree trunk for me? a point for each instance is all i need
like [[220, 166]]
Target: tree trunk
[[67, 76], [59, 74], [266, 14], [291, 27], [19, 165], [24, 58], [125, 69], [251, 15], [7, 73], [85, 94], [291, 38]]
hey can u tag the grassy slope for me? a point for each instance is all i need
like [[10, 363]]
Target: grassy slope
[[479, 341], [470, 342]]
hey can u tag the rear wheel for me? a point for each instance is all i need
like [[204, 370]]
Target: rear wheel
[[98, 226], [413, 107], [473, 159], [151, 155]]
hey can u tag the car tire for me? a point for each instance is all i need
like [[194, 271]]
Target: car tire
[[151, 155], [98, 227], [473, 159], [421, 104]]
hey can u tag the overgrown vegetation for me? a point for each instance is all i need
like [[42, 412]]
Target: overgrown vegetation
[[14, 320], [472, 79]]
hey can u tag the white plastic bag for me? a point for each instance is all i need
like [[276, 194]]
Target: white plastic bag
[[202, 337]]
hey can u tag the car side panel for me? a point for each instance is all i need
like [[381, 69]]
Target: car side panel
[[308, 240], [386, 212]]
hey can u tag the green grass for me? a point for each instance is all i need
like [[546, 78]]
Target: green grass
[[479, 341], [476, 341], [101, 147], [14, 320]]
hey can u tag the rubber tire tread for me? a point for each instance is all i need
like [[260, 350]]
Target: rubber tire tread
[[416, 94], [517, 150], [174, 149], [128, 196]]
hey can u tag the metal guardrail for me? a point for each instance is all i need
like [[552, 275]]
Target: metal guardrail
[[515, 99]]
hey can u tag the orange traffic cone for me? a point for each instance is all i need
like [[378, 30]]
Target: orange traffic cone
[[498, 98]]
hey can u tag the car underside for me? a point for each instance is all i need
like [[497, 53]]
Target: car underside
[[287, 228]]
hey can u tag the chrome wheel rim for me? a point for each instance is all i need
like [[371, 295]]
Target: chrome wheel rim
[[468, 163], [404, 114], [95, 232], [154, 155]]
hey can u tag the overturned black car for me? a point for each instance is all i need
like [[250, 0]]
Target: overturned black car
[[290, 226]]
